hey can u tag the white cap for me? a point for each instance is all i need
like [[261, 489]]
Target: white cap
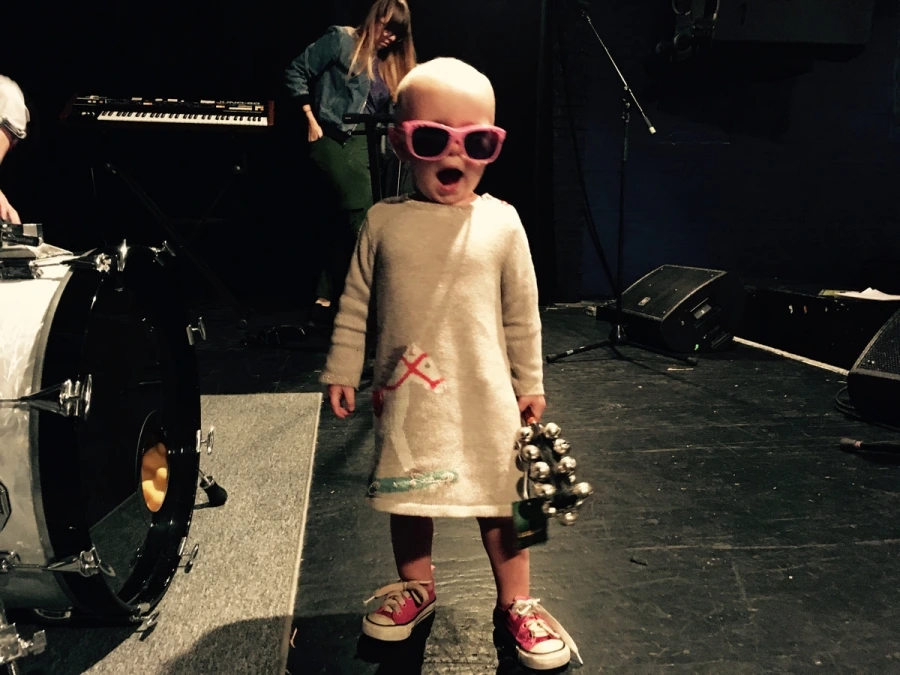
[[14, 116]]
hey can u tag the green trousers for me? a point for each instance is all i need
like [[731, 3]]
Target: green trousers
[[345, 167]]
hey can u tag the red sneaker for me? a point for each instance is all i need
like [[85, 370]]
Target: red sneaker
[[404, 606], [541, 642]]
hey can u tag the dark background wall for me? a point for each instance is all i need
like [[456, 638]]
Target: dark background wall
[[775, 161], [238, 50]]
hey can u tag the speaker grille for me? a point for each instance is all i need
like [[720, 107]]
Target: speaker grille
[[884, 354]]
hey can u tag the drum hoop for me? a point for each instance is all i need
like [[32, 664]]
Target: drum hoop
[[179, 514], [40, 352]]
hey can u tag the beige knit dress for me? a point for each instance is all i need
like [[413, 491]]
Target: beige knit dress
[[458, 338]]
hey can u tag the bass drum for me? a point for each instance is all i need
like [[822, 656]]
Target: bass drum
[[100, 434]]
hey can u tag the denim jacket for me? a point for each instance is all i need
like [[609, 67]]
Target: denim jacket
[[320, 77]]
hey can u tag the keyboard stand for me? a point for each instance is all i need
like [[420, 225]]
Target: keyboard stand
[[374, 128], [181, 244]]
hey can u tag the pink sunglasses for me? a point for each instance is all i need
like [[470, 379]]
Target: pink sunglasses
[[432, 141]]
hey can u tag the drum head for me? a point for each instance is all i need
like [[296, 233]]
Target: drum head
[[127, 331]]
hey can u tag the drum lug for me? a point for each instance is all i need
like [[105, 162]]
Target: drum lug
[[207, 442], [86, 563], [8, 561], [123, 255], [102, 263], [187, 559], [13, 646], [199, 329], [75, 399], [72, 400]]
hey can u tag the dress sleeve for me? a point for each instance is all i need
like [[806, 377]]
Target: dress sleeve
[[346, 356], [314, 61], [521, 316]]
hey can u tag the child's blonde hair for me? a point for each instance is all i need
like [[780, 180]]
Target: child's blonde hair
[[445, 72]]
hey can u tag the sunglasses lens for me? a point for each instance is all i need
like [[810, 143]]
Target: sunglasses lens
[[429, 142], [397, 29], [482, 144]]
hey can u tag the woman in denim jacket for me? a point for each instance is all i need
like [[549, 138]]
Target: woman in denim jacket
[[349, 70]]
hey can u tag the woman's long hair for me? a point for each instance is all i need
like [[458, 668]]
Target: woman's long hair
[[399, 57]]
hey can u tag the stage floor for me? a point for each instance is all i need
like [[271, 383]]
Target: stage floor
[[727, 532]]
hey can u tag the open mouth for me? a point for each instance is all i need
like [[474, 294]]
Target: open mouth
[[449, 177]]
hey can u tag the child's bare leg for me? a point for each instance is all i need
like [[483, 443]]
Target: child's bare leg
[[510, 565], [411, 537]]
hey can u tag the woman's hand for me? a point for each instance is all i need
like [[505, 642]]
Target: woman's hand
[[315, 131], [7, 212]]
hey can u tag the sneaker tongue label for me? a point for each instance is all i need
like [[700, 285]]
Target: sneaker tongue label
[[530, 522]]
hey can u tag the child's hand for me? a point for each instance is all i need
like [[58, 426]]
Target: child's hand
[[336, 393], [537, 404]]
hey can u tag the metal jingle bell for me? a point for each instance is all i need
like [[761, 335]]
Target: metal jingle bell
[[524, 435], [530, 453], [569, 517], [539, 471], [545, 490], [561, 446], [551, 430], [548, 509], [582, 490], [566, 465]]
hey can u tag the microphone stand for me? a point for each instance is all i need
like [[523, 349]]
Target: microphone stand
[[617, 336]]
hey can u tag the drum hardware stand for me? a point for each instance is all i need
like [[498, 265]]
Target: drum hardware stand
[[166, 224], [617, 336], [147, 623], [70, 400], [215, 493], [14, 647], [86, 563], [373, 136]]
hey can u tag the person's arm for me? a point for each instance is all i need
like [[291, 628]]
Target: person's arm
[[521, 315], [14, 118], [314, 61], [346, 357], [5, 143], [7, 212]]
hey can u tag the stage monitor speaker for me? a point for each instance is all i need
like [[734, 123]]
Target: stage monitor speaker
[[873, 383], [684, 309]]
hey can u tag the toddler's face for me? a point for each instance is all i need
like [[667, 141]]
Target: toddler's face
[[453, 178]]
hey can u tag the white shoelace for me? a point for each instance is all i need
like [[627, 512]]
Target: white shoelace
[[395, 594], [545, 623]]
